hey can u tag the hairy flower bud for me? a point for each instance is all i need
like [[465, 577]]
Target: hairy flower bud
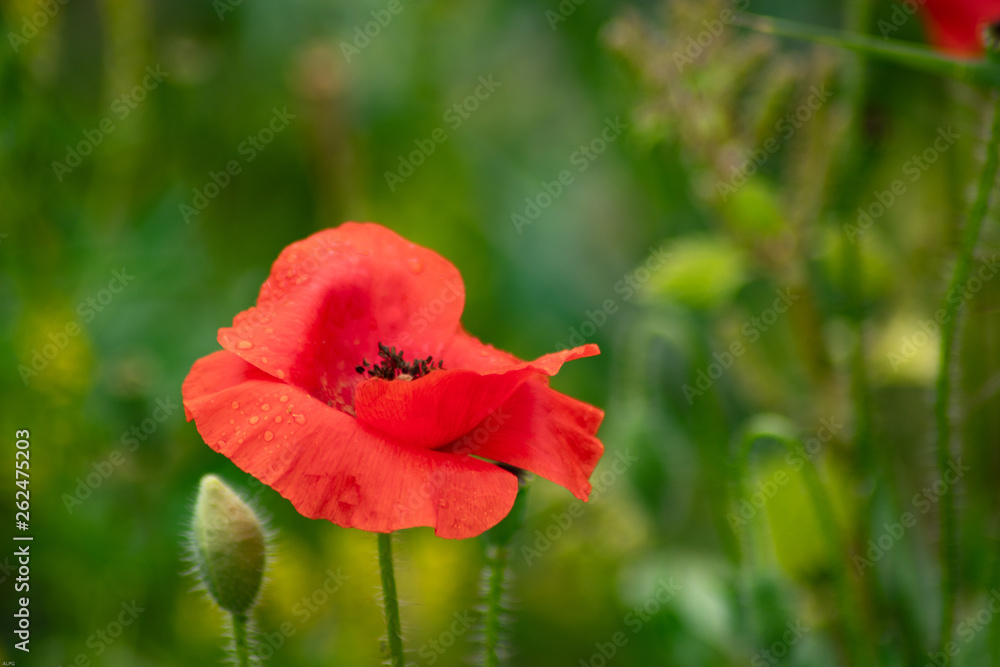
[[229, 546]]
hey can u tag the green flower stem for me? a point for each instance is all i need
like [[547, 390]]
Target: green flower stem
[[942, 400], [241, 640], [497, 557], [392, 624], [857, 16], [918, 57]]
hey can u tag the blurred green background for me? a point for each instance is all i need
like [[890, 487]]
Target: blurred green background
[[118, 122]]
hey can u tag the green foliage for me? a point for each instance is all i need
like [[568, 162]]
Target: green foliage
[[184, 195]]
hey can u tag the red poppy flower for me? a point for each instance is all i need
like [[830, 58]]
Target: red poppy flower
[[956, 25], [352, 389]]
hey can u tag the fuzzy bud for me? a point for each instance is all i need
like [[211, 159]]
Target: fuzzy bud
[[229, 546]]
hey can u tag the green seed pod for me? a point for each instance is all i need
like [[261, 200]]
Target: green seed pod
[[229, 546]]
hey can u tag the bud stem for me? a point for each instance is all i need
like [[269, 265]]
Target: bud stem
[[392, 623], [240, 640]]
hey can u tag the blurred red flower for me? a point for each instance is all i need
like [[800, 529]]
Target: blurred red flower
[[956, 25], [331, 391]]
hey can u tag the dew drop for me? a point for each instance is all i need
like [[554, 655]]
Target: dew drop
[[244, 345], [268, 435], [264, 359], [415, 265], [232, 421], [300, 419], [277, 420], [280, 374], [357, 341], [283, 399], [265, 407], [254, 419], [236, 406]]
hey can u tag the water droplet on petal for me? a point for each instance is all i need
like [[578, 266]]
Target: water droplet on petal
[[415, 265], [280, 374], [264, 359], [265, 407], [232, 421], [244, 345], [277, 420], [283, 399], [357, 341], [236, 406], [300, 419], [254, 419], [268, 435]]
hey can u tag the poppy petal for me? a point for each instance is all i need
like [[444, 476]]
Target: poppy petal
[[955, 27], [444, 405], [332, 467], [541, 430], [331, 298], [467, 351]]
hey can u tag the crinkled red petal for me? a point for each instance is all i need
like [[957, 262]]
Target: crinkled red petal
[[541, 430], [332, 298], [434, 410], [332, 467]]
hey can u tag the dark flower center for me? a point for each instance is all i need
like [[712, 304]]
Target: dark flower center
[[393, 366], [990, 37]]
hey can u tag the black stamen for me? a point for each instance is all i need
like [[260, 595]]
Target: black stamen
[[393, 365]]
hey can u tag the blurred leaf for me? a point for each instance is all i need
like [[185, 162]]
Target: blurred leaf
[[701, 272]]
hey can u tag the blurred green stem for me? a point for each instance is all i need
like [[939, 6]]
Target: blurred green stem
[[497, 560], [857, 16], [241, 641], [497, 556], [391, 600], [942, 399], [919, 57]]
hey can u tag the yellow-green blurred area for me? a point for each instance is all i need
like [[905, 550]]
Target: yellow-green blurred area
[[758, 233]]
